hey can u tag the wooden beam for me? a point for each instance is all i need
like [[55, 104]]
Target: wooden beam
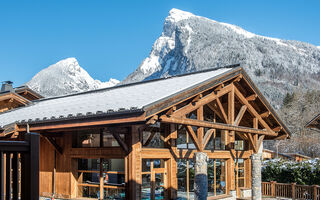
[[153, 119], [207, 137], [205, 124], [281, 137], [119, 140], [216, 111], [222, 110], [265, 114], [277, 129], [251, 97], [197, 98], [171, 110], [251, 109], [242, 136], [81, 123], [149, 138], [252, 142], [193, 137], [54, 144], [205, 100], [240, 115], [260, 140], [200, 130]]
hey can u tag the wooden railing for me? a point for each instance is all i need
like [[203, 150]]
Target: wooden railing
[[293, 191], [19, 168]]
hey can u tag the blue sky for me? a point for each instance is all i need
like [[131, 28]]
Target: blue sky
[[111, 38]]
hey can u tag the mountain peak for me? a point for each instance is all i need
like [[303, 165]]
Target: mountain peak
[[65, 77], [178, 15], [192, 43]]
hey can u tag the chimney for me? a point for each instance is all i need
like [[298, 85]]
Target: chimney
[[6, 86]]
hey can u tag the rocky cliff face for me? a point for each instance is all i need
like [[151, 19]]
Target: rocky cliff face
[[191, 43], [65, 77]]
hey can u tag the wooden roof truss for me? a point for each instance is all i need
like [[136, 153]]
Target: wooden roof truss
[[233, 111]]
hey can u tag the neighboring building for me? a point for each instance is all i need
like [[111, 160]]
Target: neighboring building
[[138, 141], [11, 98], [269, 154], [314, 123]]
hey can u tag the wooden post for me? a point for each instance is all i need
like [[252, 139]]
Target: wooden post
[[200, 130], [2, 176], [293, 191], [273, 188], [15, 176], [30, 168], [101, 180], [173, 186], [134, 164], [8, 176], [315, 195]]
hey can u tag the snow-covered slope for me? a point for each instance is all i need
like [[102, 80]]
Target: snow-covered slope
[[65, 77], [191, 43]]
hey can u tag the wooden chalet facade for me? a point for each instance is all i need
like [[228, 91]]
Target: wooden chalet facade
[[11, 98], [137, 141]]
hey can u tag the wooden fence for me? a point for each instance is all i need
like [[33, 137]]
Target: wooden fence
[[293, 191], [19, 169]]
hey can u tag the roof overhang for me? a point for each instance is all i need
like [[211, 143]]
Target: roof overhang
[[314, 123]]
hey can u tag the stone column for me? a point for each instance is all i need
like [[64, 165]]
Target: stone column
[[256, 176], [200, 176]]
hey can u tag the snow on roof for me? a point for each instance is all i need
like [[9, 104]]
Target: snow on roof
[[119, 98]]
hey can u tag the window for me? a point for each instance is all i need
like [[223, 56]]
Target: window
[[88, 138], [183, 140], [89, 178], [92, 137], [216, 178], [153, 179], [153, 136], [239, 144], [217, 140], [240, 172]]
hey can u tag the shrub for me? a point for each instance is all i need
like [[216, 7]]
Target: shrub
[[304, 173]]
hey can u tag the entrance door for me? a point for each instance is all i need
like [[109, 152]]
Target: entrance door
[[154, 179]]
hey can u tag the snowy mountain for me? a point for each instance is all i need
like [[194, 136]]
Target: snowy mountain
[[65, 77], [191, 43]]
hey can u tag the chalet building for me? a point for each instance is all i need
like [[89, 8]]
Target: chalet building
[[269, 154], [153, 139], [11, 98], [314, 123]]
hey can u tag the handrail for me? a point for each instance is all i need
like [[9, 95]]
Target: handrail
[[290, 190]]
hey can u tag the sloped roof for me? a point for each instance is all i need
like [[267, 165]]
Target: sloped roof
[[130, 97], [314, 123]]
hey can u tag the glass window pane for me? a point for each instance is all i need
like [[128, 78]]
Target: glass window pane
[[191, 179], [221, 176], [146, 187], [111, 193], [89, 164], [153, 136], [211, 175], [89, 192], [182, 179], [158, 163], [159, 186], [109, 140], [87, 138], [146, 163]]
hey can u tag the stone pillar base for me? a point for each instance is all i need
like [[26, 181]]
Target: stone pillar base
[[256, 176], [200, 173]]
